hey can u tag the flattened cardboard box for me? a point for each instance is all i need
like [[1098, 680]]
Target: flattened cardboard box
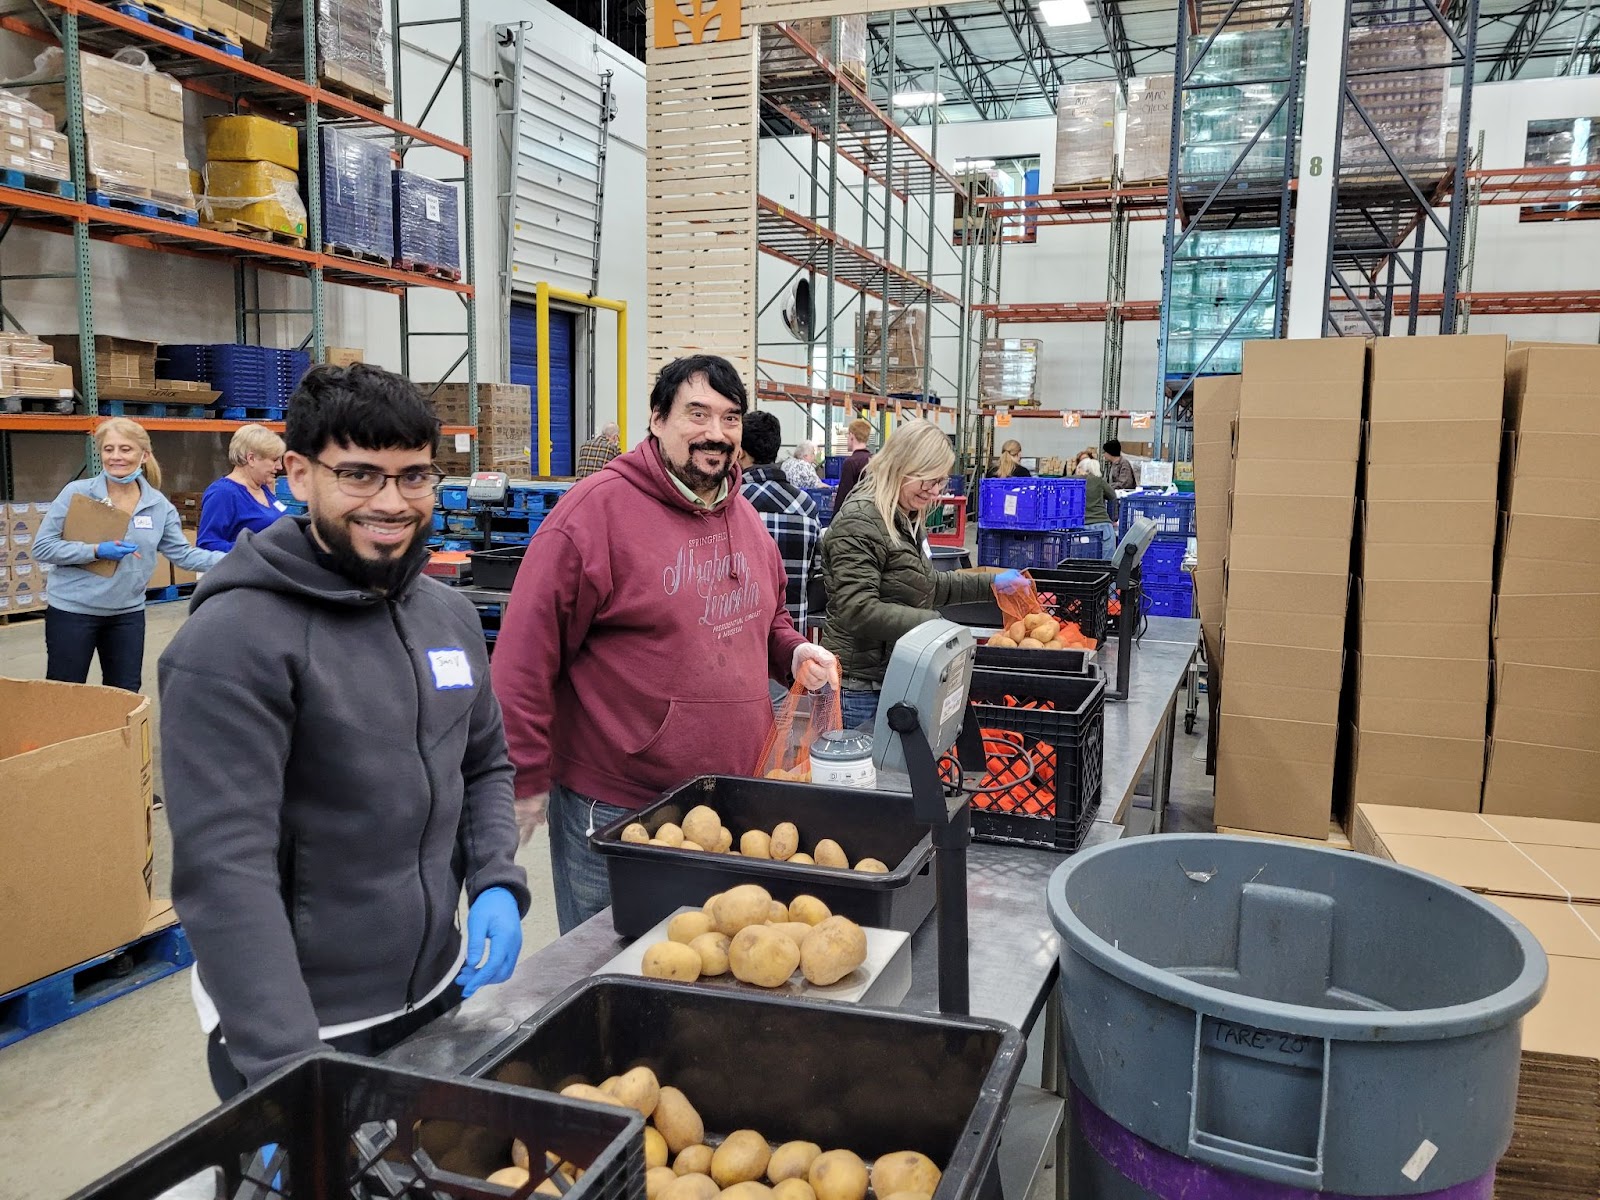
[[1424, 618], [1563, 1021], [1536, 780], [1420, 771], [1550, 631], [75, 774], [1554, 389], [1288, 683], [1433, 697], [1274, 776], [1427, 379], [1552, 706], [1303, 378]]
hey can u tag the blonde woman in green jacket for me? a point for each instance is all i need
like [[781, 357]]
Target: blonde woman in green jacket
[[875, 561]]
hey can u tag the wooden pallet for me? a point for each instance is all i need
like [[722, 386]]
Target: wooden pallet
[[358, 255], [26, 614], [1337, 839], [258, 232], [27, 181], [449, 274]]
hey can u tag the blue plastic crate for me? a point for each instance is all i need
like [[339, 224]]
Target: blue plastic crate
[[832, 465], [1168, 600], [453, 497], [1018, 550], [1033, 504], [281, 489], [1172, 514], [191, 362], [1082, 544], [823, 497], [1164, 556], [534, 498]]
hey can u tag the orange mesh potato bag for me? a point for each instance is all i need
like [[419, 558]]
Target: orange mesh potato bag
[[803, 718]]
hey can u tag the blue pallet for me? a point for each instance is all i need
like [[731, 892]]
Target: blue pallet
[[26, 181], [56, 998], [191, 362], [193, 33], [1173, 514], [252, 412], [1031, 504], [153, 408], [438, 521], [1165, 600], [510, 539], [145, 208], [535, 498], [1020, 550], [282, 490], [166, 595]]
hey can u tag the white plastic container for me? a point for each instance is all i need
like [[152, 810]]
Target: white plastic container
[[843, 758]]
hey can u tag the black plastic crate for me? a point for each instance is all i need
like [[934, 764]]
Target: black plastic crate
[[497, 569], [362, 1129], [1039, 662], [650, 883], [861, 1079], [1075, 728], [1075, 592]]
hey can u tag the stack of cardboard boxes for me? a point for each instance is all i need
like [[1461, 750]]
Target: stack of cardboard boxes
[[28, 369], [906, 338], [22, 576], [1544, 759], [1216, 412], [29, 142], [1147, 131], [1008, 373], [1294, 489], [1421, 671], [848, 54], [1086, 132], [504, 427]]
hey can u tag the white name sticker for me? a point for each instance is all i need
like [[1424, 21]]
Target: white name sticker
[[1418, 1162], [144, 522], [278, 504], [451, 669]]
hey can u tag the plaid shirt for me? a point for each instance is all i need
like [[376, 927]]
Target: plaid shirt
[[792, 519], [594, 454]]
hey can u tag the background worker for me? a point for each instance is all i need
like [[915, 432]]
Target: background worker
[[594, 454], [856, 459], [881, 581], [1119, 473], [88, 613], [243, 498], [1099, 506], [800, 468], [637, 656], [1010, 466], [335, 765], [791, 516]]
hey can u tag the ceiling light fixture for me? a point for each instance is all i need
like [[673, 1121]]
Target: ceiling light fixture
[[974, 164], [1065, 12], [917, 99]]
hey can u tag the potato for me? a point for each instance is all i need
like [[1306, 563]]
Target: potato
[[678, 1121], [792, 1160], [755, 844], [693, 1160], [747, 904], [671, 960], [793, 1189], [802, 859], [1055, 644], [808, 909], [510, 1176], [686, 844], [1033, 619], [764, 957], [670, 834], [795, 931], [635, 833], [713, 951], [777, 911], [742, 1156], [1029, 643], [724, 840], [1016, 631], [838, 1175], [656, 1181], [638, 1088], [519, 1153], [691, 1187], [687, 926], [701, 824], [655, 1147], [1047, 630], [549, 1187], [909, 1196], [749, 1189], [904, 1171], [582, 1091], [830, 854], [709, 907], [873, 866], [1002, 641], [835, 948], [785, 841]]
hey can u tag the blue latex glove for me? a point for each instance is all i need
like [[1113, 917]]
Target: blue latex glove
[[115, 551], [1010, 581], [494, 916]]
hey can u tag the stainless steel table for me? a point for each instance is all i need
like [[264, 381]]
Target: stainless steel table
[[1013, 964]]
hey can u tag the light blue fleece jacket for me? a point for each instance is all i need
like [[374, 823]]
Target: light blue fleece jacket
[[154, 527]]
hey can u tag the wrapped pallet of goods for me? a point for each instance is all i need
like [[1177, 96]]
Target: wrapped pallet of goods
[[1408, 107], [504, 426], [357, 197], [1147, 132], [906, 329], [1008, 373], [252, 179], [28, 369], [352, 47], [29, 142], [1086, 144], [427, 225], [781, 58]]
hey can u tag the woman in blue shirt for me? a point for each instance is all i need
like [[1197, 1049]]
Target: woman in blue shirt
[[87, 612], [242, 499]]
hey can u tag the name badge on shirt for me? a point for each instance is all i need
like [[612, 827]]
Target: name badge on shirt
[[278, 504], [451, 669], [144, 522]]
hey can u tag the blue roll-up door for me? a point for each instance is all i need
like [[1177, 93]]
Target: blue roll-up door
[[563, 379]]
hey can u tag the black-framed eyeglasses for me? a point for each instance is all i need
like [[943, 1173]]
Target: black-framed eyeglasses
[[363, 483]]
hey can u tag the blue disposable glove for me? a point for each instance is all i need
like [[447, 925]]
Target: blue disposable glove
[[115, 551], [494, 916], [1010, 581]]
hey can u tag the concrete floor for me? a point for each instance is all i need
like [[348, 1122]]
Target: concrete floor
[[78, 1099]]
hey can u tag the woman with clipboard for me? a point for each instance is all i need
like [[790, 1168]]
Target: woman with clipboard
[[102, 536]]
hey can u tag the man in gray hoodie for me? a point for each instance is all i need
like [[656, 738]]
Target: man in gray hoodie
[[334, 762]]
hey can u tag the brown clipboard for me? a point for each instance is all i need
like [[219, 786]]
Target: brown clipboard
[[88, 520]]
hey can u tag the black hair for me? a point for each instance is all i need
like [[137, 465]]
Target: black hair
[[763, 435], [1113, 446], [359, 406], [719, 373]]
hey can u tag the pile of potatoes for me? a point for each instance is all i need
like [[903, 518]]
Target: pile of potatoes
[[744, 1165], [1036, 631], [760, 940], [702, 829]]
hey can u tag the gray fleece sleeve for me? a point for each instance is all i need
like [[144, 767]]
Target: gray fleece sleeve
[[226, 716]]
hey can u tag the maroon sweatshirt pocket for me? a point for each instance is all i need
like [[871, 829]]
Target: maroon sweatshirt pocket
[[717, 737]]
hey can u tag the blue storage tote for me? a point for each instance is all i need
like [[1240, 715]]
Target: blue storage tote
[[1168, 600], [1031, 503], [1173, 514], [823, 498], [1019, 551], [357, 197]]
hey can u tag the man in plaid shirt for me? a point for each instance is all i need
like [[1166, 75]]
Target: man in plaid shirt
[[789, 514], [599, 450]]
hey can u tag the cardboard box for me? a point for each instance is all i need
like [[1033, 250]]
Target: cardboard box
[[163, 96], [121, 170], [75, 776], [1435, 697], [162, 575], [1534, 780], [1289, 683], [90, 521], [342, 356], [1551, 631], [176, 574], [1551, 706], [1429, 380], [500, 402], [43, 379], [1314, 603], [1274, 776], [1304, 379], [116, 358], [161, 136], [1412, 769]]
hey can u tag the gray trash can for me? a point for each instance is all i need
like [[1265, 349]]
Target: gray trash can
[[1254, 1019]]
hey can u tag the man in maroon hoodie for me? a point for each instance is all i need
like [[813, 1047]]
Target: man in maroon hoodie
[[641, 633]]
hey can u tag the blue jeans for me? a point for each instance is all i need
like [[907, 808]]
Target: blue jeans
[[858, 709], [582, 886], [72, 639], [1108, 538]]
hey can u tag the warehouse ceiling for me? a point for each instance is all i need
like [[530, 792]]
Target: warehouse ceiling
[[995, 59]]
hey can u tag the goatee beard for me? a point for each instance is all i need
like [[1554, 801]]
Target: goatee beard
[[693, 477], [382, 575]]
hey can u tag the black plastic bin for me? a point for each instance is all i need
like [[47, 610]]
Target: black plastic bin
[[1071, 592], [861, 1079], [650, 883], [497, 568], [1075, 728], [363, 1129], [1040, 662]]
